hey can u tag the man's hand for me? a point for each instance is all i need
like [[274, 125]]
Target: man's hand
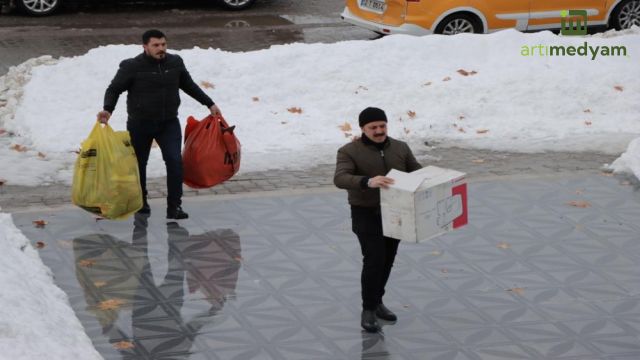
[[103, 116], [380, 182], [215, 110]]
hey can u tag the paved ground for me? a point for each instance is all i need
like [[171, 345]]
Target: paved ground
[[277, 277], [478, 164]]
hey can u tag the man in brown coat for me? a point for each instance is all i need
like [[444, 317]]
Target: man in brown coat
[[360, 169]]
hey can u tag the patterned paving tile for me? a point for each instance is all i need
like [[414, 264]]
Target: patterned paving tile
[[531, 277]]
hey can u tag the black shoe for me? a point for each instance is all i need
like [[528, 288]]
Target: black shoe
[[385, 314], [176, 213], [368, 321], [145, 209]]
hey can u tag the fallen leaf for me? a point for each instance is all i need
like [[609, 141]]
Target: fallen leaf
[[461, 130], [40, 245], [463, 72], [41, 155], [99, 284], [207, 85], [579, 204], [40, 223], [461, 117], [412, 114], [19, 148], [455, 125], [295, 110], [283, 122], [482, 131], [478, 161], [446, 79], [345, 127], [427, 84], [111, 304], [473, 72], [518, 291], [587, 110], [619, 88], [87, 262], [123, 345], [255, 99], [503, 245]]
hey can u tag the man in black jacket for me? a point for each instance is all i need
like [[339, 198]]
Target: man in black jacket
[[361, 167], [152, 81]]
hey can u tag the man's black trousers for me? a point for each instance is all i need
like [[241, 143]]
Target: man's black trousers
[[168, 135], [378, 254]]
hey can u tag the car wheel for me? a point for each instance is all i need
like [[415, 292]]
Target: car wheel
[[237, 4], [626, 15], [38, 7], [459, 24]]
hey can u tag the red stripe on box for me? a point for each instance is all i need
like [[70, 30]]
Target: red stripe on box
[[462, 219]]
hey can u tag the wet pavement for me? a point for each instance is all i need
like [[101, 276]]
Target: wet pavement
[[277, 277]]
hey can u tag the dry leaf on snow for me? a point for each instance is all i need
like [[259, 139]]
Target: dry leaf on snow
[[619, 88], [412, 114], [446, 79], [40, 245], [503, 245], [255, 99], [427, 84], [19, 148], [466, 73], [588, 123], [587, 111], [461, 130], [207, 85], [345, 127], [478, 161], [41, 155], [295, 110], [482, 131]]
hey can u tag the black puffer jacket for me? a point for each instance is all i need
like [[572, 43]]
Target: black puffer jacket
[[153, 88]]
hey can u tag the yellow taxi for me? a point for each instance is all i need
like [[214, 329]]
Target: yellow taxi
[[421, 17]]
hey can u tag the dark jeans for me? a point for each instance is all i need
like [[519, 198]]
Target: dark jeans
[[378, 254], [168, 135]]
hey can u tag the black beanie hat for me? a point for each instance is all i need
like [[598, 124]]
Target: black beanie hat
[[371, 114]]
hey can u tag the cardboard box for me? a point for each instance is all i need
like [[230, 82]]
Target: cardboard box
[[423, 204]]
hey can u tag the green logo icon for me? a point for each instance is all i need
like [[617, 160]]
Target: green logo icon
[[567, 27]]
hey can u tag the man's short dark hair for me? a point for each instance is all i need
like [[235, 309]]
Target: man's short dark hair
[[153, 33]]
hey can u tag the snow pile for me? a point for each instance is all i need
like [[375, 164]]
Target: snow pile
[[294, 105], [36, 321]]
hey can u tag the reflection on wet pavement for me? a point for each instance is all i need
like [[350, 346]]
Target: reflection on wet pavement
[[277, 277]]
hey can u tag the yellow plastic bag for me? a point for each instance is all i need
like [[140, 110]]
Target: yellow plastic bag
[[106, 181]]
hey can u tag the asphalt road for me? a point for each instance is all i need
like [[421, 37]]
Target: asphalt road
[[186, 23]]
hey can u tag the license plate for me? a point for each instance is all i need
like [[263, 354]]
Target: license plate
[[376, 6]]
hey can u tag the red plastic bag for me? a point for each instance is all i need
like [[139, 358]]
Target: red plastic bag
[[211, 152]]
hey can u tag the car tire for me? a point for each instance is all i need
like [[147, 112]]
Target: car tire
[[236, 4], [460, 23], [626, 14], [38, 7]]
